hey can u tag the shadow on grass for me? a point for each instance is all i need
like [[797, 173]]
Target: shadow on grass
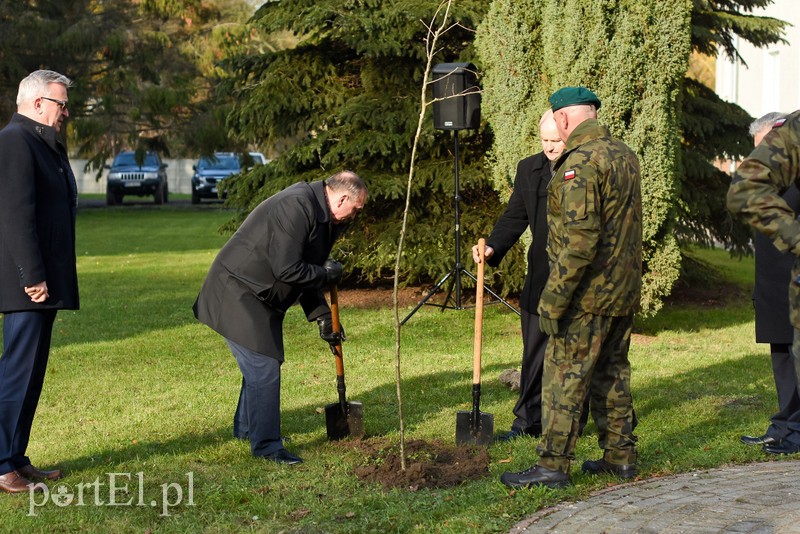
[[721, 389], [695, 317], [424, 396]]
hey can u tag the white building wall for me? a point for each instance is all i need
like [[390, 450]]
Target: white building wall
[[771, 79]]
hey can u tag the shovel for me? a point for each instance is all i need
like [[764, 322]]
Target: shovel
[[342, 418], [475, 427]]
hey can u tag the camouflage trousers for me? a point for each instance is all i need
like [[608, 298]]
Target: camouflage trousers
[[591, 353]]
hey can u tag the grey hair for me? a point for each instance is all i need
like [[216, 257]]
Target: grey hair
[[347, 181], [37, 83], [765, 122]]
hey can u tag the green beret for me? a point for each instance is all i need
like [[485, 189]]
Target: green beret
[[573, 96]]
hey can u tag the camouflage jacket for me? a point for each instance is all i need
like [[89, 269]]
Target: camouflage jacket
[[756, 190], [595, 228]]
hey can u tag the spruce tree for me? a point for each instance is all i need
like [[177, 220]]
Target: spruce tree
[[144, 72], [346, 96], [714, 130]]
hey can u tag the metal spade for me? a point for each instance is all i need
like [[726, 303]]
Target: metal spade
[[342, 418], [475, 427]]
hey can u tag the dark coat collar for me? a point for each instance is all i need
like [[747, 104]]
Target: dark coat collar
[[48, 134]]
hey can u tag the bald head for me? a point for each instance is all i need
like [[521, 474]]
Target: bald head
[[552, 145], [570, 117]]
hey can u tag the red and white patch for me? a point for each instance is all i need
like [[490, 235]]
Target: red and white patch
[[569, 175], [779, 123]]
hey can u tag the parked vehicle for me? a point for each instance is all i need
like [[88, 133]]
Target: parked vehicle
[[258, 158], [127, 176], [209, 171]]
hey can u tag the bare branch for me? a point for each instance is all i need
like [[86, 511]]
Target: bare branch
[[430, 47]]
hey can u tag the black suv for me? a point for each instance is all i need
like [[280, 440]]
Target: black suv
[[209, 171], [127, 177]]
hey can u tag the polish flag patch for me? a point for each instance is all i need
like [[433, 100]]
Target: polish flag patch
[[569, 175], [779, 123]]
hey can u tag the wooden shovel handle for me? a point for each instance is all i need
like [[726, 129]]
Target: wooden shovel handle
[[476, 352], [337, 327]]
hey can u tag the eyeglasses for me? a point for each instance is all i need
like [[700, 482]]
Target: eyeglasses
[[62, 104]]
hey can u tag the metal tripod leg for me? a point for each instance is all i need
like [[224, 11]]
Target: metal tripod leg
[[457, 305], [439, 284], [492, 293]]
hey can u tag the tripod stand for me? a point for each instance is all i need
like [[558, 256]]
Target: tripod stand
[[458, 270]]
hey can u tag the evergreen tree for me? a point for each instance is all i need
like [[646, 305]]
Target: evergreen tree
[[346, 96], [715, 130], [143, 71], [633, 54], [527, 53]]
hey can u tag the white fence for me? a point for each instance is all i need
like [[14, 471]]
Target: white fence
[[179, 176]]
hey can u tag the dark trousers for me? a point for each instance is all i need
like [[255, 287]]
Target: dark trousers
[[528, 410], [26, 347], [258, 414], [786, 423]]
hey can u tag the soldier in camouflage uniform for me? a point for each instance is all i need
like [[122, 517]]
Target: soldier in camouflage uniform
[[587, 306], [756, 193]]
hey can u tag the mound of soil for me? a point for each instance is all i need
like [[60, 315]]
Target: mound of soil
[[428, 464]]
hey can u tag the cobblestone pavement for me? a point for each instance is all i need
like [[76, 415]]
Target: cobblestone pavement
[[759, 497]]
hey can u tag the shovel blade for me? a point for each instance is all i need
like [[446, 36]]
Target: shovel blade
[[474, 431], [341, 423]]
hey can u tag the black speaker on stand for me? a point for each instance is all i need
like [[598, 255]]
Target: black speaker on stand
[[456, 106]]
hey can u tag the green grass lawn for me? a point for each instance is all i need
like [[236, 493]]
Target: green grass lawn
[[140, 396]]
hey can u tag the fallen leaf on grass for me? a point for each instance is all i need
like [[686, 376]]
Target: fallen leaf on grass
[[299, 514], [506, 461]]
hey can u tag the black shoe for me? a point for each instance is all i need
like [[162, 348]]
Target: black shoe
[[282, 456], [513, 434], [596, 467], [536, 476], [760, 440], [244, 437], [782, 447]]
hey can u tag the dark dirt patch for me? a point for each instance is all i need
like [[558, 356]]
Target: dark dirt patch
[[381, 297], [710, 296], [373, 298], [429, 464]]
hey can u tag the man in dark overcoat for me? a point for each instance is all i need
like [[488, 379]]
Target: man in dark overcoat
[[38, 275], [527, 208], [771, 302], [278, 256]]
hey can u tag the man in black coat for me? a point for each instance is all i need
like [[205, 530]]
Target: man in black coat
[[38, 276], [278, 256], [771, 302], [527, 208]]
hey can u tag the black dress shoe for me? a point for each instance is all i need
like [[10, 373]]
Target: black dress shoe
[[536, 476], [282, 456], [596, 467], [758, 440], [33, 473], [782, 447]]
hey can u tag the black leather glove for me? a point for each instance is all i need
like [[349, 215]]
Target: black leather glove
[[548, 326], [326, 332], [333, 270]]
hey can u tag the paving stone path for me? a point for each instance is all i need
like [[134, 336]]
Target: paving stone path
[[758, 498]]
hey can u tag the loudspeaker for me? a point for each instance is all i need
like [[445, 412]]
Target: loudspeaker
[[462, 111]]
